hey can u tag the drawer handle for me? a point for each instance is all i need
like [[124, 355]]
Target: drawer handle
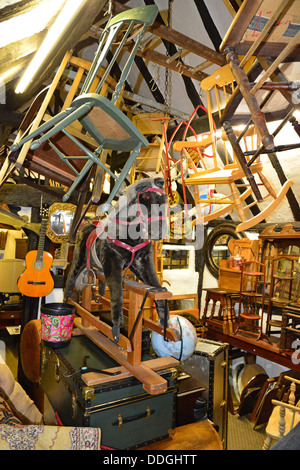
[[120, 421]]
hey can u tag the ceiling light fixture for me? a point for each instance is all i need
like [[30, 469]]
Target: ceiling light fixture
[[64, 18]]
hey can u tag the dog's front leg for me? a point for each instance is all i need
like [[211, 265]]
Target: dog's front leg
[[113, 271], [143, 267]]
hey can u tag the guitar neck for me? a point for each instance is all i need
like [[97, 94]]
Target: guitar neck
[[41, 245]]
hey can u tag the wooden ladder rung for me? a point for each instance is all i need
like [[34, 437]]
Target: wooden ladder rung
[[255, 202]]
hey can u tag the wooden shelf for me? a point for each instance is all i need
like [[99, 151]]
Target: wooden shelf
[[253, 273], [250, 316], [287, 278], [259, 348], [279, 301], [251, 294], [275, 322]]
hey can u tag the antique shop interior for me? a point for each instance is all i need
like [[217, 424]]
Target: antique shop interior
[[149, 225]]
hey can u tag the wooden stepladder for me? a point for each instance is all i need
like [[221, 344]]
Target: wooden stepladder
[[128, 352]]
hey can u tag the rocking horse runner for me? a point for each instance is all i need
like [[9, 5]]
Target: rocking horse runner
[[123, 240]]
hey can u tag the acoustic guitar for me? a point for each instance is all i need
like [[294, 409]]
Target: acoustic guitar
[[37, 281]]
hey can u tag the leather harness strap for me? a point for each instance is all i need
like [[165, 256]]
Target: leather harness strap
[[132, 249]]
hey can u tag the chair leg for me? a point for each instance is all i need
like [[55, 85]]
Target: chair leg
[[82, 207], [69, 116], [267, 443], [78, 180], [245, 88], [40, 130], [120, 180], [237, 201], [205, 309]]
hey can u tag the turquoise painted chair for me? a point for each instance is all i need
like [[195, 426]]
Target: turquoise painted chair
[[110, 128]]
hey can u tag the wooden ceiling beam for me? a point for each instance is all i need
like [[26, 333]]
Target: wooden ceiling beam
[[180, 40], [186, 43], [180, 67], [19, 8]]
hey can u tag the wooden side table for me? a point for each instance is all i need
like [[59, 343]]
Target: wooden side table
[[225, 317]]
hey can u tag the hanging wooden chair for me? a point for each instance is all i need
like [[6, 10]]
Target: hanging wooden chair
[[244, 183]]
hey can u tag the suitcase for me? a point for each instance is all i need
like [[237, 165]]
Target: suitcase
[[209, 365], [128, 416]]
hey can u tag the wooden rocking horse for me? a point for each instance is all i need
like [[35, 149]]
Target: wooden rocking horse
[[122, 241]]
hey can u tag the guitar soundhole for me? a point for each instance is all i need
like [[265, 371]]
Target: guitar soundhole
[[38, 265]]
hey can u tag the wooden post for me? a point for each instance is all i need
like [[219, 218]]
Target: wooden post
[[135, 300], [87, 302]]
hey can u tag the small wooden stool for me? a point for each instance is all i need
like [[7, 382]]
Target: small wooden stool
[[225, 316]]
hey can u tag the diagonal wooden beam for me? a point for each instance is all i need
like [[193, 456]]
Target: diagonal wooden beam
[[180, 67]]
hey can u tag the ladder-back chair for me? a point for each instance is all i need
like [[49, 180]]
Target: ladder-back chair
[[268, 30], [252, 299], [281, 291], [99, 116], [239, 182], [285, 416]]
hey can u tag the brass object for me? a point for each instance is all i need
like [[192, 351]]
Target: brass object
[[57, 229], [56, 370], [61, 215], [120, 420], [74, 403], [88, 393], [148, 413], [174, 372], [43, 359]]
